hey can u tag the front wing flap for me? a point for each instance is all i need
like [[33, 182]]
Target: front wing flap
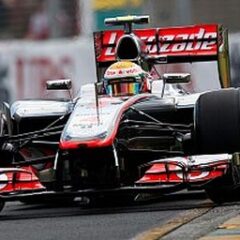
[[192, 170], [19, 180]]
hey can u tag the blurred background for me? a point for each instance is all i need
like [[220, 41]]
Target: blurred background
[[49, 39]]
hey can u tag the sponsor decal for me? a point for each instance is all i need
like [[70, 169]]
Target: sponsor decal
[[122, 72], [187, 42], [123, 69], [195, 39]]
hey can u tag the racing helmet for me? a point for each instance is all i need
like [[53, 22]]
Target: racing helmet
[[124, 78]]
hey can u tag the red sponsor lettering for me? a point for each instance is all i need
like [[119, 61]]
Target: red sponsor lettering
[[169, 41], [188, 42]]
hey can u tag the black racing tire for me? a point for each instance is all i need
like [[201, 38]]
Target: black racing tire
[[225, 188], [217, 122], [2, 204], [220, 194], [217, 195]]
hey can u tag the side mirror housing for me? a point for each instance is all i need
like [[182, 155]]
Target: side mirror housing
[[61, 84], [176, 78]]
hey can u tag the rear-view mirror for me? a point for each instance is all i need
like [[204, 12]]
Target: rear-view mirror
[[61, 84], [176, 78]]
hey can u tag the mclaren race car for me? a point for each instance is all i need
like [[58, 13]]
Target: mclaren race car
[[132, 131]]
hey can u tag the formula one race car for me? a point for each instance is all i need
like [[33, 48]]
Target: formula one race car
[[131, 132]]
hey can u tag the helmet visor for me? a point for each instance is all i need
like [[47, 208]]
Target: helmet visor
[[123, 87]]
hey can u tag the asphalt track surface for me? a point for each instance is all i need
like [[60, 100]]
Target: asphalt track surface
[[41, 221]]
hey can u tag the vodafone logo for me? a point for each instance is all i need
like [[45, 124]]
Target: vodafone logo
[[3, 177]]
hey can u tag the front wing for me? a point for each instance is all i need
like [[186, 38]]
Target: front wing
[[19, 180], [161, 176], [192, 170]]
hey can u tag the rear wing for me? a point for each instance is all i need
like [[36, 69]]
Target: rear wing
[[205, 42]]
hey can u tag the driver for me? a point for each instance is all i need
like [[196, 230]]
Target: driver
[[125, 78]]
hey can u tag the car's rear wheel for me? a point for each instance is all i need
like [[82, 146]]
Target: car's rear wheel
[[217, 122]]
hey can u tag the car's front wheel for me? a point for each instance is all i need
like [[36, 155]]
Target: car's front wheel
[[217, 122]]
